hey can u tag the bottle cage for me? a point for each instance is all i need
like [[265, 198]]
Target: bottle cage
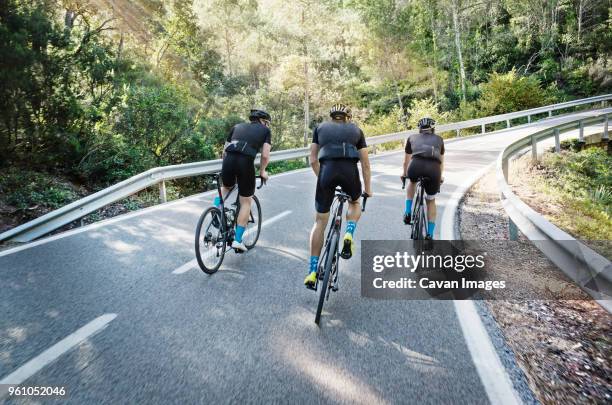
[[241, 147], [338, 151]]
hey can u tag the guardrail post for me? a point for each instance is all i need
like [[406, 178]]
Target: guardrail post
[[606, 135], [557, 141], [374, 149], [505, 168], [534, 148], [483, 129], [512, 230], [549, 113], [581, 141], [529, 119], [458, 133], [507, 123], [162, 192]]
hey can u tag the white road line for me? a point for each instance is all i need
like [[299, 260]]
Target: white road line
[[193, 263], [492, 373], [45, 358]]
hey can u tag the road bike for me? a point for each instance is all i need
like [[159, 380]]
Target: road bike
[[215, 230], [419, 209], [327, 273]]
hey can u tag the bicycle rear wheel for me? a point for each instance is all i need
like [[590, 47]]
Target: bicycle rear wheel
[[210, 241], [253, 228], [329, 260]]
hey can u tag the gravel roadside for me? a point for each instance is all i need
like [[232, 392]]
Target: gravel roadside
[[564, 347]]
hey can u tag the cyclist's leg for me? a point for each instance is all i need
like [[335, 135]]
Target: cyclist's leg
[[432, 187], [228, 175], [323, 200], [246, 190], [351, 184], [413, 174]]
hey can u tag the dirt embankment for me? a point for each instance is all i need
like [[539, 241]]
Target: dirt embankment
[[564, 347]]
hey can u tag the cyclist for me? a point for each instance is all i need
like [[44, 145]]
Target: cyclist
[[424, 158], [336, 147], [243, 143]]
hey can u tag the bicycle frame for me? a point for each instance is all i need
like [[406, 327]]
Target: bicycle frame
[[335, 227], [224, 225], [419, 204]]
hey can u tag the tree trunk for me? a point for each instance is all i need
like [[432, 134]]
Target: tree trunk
[[456, 28], [306, 88], [580, 11], [434, 79]]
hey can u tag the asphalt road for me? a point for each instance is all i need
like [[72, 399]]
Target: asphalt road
[[170, 333]]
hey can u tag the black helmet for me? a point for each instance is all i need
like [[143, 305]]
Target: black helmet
[[339, 109], [427, 122], [259, 114]]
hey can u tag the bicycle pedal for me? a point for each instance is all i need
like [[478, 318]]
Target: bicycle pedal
[[334, 288]]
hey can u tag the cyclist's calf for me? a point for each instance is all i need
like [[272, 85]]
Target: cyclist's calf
[[245, 210], [354, 211]]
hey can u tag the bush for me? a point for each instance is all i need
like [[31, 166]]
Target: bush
[[26, 189], [426, 107], [585, 174], [510, 92]]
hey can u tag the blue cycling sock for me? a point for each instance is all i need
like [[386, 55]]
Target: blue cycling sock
[[430, 228], [350, 227], [408, 209], [239, 233], [217, 201], [314, 263]]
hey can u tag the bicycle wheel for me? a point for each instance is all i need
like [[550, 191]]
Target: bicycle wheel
[[330, 254], [210, 241], [253, 228]]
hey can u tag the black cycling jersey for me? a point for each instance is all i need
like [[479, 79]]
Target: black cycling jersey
[[338, 132], [255, 134], [238, 165], [337, 172], [425, 146]]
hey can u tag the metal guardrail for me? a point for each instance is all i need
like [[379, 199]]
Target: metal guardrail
[[159, 175], [587, 268]]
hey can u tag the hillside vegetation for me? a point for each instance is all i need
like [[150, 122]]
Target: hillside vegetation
[[97, 91]]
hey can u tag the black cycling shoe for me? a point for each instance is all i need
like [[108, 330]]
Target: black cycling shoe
[[347, 247], [428, 237], [407, 219]]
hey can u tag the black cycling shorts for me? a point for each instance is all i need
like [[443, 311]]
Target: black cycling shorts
[[426, 168], [237, 166], [336, 173]]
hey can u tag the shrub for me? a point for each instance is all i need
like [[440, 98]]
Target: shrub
[[426, 107], [510, 92]]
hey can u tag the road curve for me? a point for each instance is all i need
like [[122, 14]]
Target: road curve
[[245, 334]]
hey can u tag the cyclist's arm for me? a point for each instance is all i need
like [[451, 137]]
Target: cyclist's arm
[[314, 158], [407, 158], [265, 159], [442, 161], [365, 170]]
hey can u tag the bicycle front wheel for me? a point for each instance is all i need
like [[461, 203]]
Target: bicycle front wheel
[[210, 241], [253, 228], [329, 260]]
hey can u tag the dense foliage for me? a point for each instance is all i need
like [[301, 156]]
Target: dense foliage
[[580, 183], [101, 90]]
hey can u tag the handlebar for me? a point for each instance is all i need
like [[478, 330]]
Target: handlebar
[[261, 183], [365, 197]]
